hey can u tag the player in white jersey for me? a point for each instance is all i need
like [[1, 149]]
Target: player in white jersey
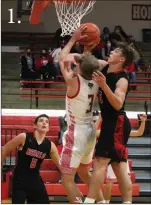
[[80, 105], [79, 139]]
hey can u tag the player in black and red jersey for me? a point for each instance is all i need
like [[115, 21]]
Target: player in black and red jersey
[[33, 148], [115, 128]]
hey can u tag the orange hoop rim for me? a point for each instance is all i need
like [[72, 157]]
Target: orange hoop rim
[[37, 9]]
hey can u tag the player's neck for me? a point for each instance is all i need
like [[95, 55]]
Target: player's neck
[[39, 136], [115, 68]]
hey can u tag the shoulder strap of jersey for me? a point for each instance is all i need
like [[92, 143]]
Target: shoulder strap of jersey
[[123, 75], [28, 138], [48, 144], [104, 70]]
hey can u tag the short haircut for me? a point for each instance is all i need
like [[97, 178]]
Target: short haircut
[[127, 53], [39, 116], [88, 64]]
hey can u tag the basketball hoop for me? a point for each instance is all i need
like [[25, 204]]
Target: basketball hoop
[[70, 13]]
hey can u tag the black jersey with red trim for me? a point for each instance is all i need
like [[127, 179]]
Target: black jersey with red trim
[[111, 79], [31, 156]]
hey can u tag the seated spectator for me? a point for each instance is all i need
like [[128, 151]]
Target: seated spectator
[[28, 67], [131, 74], [140, 64], [118, 36], [138, 57], [139, 61], [106, 35], [44, 66]]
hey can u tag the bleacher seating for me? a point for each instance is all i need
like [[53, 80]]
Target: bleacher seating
[[59, 88], [24, 39], [26, 120], [52, 132]]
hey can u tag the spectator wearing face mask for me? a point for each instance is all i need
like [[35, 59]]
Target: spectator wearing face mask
[[106, 35], [28, 66], [44, 66], [106, 38], [118, 35]]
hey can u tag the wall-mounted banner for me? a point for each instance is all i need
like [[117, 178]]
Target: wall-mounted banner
[[141, 12]]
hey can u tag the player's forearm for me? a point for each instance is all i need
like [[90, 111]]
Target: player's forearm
[[140, 130], [66, 50], [56, 159], [114, 100]]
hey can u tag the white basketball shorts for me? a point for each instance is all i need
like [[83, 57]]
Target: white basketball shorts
[[78, 147]]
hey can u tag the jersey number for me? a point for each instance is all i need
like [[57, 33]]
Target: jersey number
[[91, 98], [33, 163]]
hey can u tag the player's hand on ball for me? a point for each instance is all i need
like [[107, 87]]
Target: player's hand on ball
[[77, 35], [143, 117], [99, 78]]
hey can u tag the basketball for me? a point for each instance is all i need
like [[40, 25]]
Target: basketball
[[93, 33]]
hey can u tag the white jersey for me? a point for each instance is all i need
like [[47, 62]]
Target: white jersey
[[79, 108]]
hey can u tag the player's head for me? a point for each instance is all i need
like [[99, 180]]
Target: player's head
[[42, 123], [123, 55], [88, 64]]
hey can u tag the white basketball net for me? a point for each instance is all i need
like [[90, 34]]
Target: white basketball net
[[70, 14]]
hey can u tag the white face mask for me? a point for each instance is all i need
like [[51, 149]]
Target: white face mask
[[108, 43]]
